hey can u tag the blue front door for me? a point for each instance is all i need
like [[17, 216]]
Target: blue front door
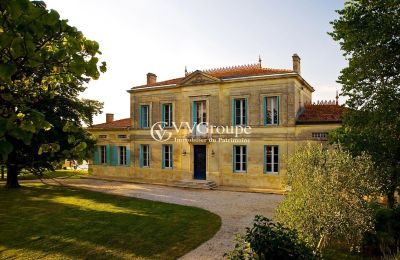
[[199, 162]]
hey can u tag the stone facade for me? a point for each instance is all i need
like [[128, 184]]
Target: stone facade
[[218, 88]]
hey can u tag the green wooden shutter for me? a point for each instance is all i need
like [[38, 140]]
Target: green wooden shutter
[[163, 156], [194, 113], [141, 116], [141, 156], [265, 159], [163, 115], [233, 113], [96, 159], [128, 156], [265, 111], [108, 154], [172, 156], [114, 155], [234, 159], [245, 112], [277, 106]]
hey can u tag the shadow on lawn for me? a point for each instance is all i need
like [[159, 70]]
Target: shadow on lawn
[[52, 221]]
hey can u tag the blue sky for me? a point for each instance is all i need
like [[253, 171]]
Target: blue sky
[[162, 36]]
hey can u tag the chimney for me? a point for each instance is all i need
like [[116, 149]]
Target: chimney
[[151, 78], [296, 63], [109, 118]]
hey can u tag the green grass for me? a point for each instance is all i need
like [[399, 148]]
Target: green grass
[[41, 221], [72, 174]]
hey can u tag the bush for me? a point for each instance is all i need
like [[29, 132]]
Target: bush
[[386, 238], [269, 240]]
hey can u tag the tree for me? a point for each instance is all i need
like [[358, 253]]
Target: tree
[[327, 197], [369, 34], [44, 66]]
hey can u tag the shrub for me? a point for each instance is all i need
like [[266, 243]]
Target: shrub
[[269, 240]]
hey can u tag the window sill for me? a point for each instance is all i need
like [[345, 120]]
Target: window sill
[[271, 173]]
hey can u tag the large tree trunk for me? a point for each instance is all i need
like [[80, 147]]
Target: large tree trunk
[[12, 177]]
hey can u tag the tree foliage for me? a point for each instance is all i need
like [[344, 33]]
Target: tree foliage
[[44, 66], [270, 240], [327, 197], [369, 34]]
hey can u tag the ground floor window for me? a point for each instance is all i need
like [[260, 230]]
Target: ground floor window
[[122, 155], [239, 158], [103, 154], [167, 156], [271, 155], [144, 155]]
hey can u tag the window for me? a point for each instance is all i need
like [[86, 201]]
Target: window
[[144, 116], [239, 111], [271, 110], [122, 155], [103, 154], [199, 112], [122, 136], [102, 136], [167, 156], [320, 135], [144, 155], [167, 115], [239, 158], [271, 154]]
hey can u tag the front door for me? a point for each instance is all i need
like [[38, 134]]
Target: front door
[[199, 162]]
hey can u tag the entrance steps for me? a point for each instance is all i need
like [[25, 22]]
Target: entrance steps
[[196, 184]]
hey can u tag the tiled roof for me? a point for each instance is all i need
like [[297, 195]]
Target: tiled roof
[[122, 123], [228, 72], [321, 112]]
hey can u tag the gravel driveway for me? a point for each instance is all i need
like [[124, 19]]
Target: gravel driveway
[[236, 209]]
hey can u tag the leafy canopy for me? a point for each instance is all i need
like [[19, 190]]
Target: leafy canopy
[[327, 197], [44, 66]]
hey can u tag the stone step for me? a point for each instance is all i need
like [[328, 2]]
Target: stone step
[[196, 184]]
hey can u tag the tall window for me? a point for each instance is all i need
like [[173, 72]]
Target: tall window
[[144, 155], [103, 154], [199, 112], [240, 111], [271, 110], [167, 156], [271, 155], [122, 155], [144, 116], [167, 115], [239, 158]]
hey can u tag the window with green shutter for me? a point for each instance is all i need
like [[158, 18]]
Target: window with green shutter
[[239, 111], [167, 156], [239, 158], [271, 110], [144, 116]]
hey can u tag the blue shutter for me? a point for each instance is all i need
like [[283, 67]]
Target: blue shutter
[[163, 115], [233, 113], [96, 159], [245, 112], [141, 156], [114, 155], [163, 156], [172, 156], [194, 113], [128, 157], [277, 106], [265, 159], [234, 159], [265, 111], [108, 154], [140, 116]]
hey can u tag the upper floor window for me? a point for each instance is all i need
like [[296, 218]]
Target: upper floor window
[[102, 136], [271, 110], [239, 158], [167, 114], [167, 154], [144, 116], [199, 113], [144, 155], [122, 136], [239, 111], [271, 155], [320, 135], [122, 155]]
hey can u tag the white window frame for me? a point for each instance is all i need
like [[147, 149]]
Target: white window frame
[[242, 158], [121, 155], [271, 161]]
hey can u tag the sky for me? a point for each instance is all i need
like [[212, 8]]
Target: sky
[[164, 36]]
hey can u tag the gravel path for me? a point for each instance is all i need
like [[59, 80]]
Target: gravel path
[[236, 209]]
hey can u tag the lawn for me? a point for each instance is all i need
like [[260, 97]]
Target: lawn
[[73, 174], [41, 221]]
